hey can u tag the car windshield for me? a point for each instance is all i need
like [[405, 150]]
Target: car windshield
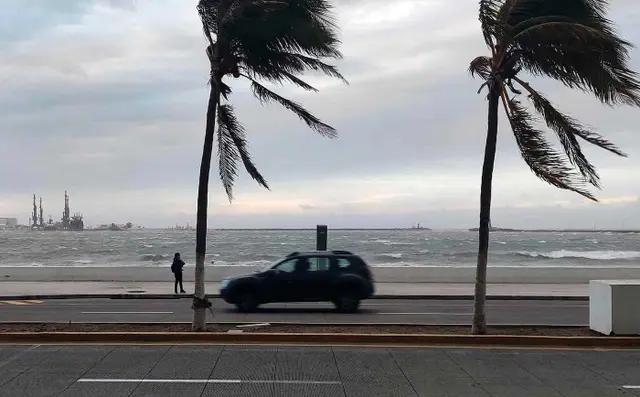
[[270, 265]]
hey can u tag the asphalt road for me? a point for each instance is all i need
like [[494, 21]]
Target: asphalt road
[[526, 312], [216, 371]]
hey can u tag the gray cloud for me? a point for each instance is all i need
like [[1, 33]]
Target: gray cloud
[[115, 113]]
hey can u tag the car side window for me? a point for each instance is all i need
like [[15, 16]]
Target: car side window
[[343, 263], [322, 263], [313, 264], [287, 266]]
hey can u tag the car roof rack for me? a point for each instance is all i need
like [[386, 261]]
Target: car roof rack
[[342, 252]]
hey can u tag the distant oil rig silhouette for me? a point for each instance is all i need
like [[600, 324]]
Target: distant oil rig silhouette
[[68, 222]]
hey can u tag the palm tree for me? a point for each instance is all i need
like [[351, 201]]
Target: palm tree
[[256, 40], [573, 42]]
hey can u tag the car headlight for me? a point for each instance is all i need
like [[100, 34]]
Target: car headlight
[[225, 282]]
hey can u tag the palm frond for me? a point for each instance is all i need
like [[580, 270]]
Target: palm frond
[[299, 82], [265, 96], [572, 41], [580, 11], [488, 16], [480, 66], [208, 13], [303, 26], [543, 160], [270, 64], [228, 155], [232, 133], [568, 130], [239, 9]]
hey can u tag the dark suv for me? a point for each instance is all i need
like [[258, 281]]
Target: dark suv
[[333, 276]]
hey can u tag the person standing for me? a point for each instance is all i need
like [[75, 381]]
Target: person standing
[[176, 268]]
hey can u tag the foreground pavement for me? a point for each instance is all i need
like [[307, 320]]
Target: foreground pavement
[[200, 371], [441, 312], [25, 288]]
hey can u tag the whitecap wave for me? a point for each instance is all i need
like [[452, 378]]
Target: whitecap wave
[[594, 255]]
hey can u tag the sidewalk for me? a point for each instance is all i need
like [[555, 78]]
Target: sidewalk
[[71, 289]]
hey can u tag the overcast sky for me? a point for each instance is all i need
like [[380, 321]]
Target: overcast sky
[[107, 100]]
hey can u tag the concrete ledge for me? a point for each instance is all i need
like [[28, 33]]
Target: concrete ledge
[[317, 339], [423, 274], [290, 323], [386, 296]]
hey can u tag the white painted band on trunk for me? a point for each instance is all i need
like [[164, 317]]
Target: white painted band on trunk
[[233, 381]]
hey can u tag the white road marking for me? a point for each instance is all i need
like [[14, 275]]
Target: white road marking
[[126, 312], [425, 314], [234, 381], [253, 325], [631, 387]]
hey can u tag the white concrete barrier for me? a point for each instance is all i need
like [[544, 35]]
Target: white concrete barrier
[[426, 274], [613, 307]]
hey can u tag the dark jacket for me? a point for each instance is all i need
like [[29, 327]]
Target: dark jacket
[[176, 266]]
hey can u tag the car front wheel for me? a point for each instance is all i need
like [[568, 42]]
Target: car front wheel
[[247, 303], [347, 303]]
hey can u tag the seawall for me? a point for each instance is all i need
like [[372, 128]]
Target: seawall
[[432, 274]]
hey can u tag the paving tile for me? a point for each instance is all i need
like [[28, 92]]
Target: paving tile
[[80, 389], [169, 390], [378, 388], [128, 362], [487, 363], [72, 361], [306, 364], [445, 385], [37, 385], [521, 391], [182, 362], [426, 362], [556, 369], [8, 351], [593, 391], [22, 360], [619, 367], [274, 390], [246, 363], [371, 373]]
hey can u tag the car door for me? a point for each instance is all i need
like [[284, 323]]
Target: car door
[[300, 280], [278, 285], [315, 283]]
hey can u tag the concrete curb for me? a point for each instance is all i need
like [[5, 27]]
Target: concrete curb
[[391, 297], [318, 339]]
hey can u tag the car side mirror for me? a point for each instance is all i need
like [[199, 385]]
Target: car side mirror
[[272, 272]]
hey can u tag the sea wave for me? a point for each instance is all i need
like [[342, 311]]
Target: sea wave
[[593, 255], [154, 257], [394, 255]]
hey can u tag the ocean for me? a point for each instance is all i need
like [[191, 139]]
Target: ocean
[[403, 248]]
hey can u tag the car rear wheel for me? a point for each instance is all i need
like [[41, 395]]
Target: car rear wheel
[[247, 302], [347, 303]]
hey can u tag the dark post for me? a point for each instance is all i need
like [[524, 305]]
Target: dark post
[[321, 237]]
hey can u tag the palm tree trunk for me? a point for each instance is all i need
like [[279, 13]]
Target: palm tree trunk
[[479, 316], [199, 310]]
